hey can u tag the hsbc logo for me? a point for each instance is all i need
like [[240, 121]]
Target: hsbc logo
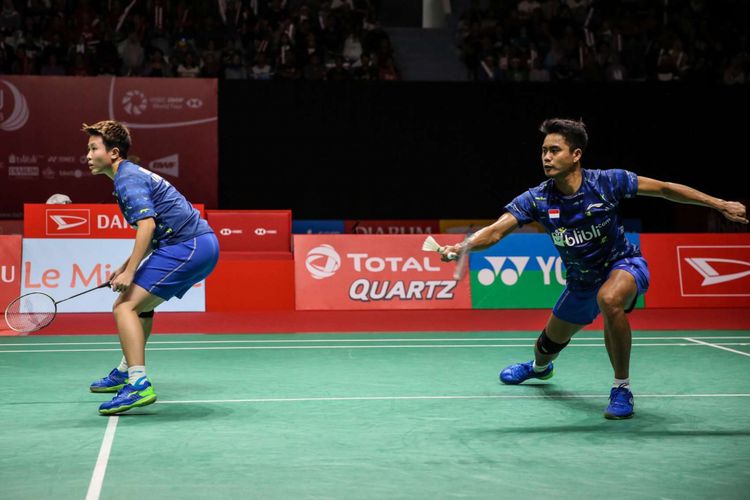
[[261, 231], [714, 271], [194, 103], [225, 231], [322, 262], [68, 222]]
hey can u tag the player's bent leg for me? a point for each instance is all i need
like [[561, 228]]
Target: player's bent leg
[[614, 298], [127, 308], [127, 311], [118, 377], [553, 339]]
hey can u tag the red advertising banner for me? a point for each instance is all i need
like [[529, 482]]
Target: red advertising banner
[[77, 221], [375, 272], [252, 230], [10, 268], [173, 124], [698, 270], [392, 226]]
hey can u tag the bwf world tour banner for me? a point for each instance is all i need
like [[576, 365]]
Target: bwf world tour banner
[[173, 124], [375, 272]]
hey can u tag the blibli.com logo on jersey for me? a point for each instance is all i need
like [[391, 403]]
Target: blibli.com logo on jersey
[[566, 238]]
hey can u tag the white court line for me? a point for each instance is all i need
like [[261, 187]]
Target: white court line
[[420, 398], [718, 346], [97, 478], [446, 346], [303, 341]]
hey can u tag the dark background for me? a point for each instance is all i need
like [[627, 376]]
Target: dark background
[[412, 150]]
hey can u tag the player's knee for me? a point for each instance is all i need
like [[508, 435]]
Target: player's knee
[[547, 346], [146, 314], [609, 302]]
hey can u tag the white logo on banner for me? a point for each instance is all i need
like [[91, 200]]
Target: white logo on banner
[[710, 275], [20, 114], [67, 221], [262, 231], [322, 262], [194, 103], [134, 102], [169, 165]]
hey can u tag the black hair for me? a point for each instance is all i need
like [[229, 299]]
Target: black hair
[[573, 131]]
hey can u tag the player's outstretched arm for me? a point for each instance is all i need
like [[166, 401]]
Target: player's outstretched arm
[[680, 193], [487, 236]]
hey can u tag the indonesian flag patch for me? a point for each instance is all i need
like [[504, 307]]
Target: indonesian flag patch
[[554, 213]]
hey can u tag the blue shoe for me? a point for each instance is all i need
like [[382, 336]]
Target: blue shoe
[[113, 382], [620, 404], [129, 397], [520, 372]]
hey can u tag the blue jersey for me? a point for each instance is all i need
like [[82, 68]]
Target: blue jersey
[[142, 194], [585, 226]]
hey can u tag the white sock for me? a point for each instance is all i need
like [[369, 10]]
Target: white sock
[[123, 366], [622, 382], [136, 375], [540, 368]]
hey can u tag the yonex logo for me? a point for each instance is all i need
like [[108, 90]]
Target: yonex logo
[[322, 262], [508, 276], [710, 275], [510, 269]]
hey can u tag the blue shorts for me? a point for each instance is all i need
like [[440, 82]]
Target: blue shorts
[[580, 307], [172, 270]]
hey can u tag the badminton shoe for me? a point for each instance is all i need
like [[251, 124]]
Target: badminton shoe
[[620, 404], [113, 382], [520, 372], [129, 397]]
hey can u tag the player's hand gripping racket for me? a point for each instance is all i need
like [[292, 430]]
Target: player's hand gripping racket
[[461, 258], [33, 311]]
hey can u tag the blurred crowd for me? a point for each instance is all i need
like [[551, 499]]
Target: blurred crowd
[[230, 39], [606, 40]]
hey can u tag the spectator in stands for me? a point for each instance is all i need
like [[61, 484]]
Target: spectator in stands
[[189, 68], [261, 70], [131, 52], [157, 66], [235, 69]]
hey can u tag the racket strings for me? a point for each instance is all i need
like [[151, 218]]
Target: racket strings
[[30, 312]]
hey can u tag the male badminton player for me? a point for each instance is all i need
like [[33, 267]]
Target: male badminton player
[[605, 273], [180, 246]]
